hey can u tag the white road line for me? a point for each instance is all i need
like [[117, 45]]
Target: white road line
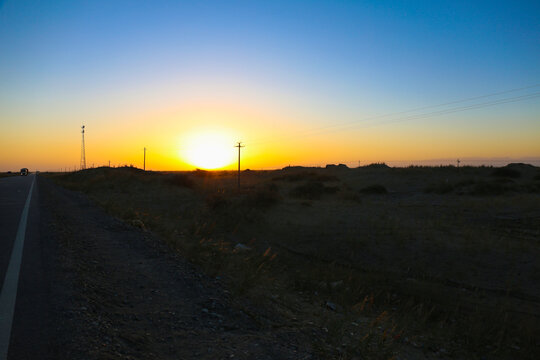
[[8, 296]]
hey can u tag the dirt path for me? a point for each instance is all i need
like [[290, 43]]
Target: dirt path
[[121, 295]]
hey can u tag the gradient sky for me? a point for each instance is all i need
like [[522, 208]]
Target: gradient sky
[[282, 76]]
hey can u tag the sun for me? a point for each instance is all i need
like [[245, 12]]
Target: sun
[[208, 150]]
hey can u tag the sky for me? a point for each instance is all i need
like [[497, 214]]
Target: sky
[[298, 82]]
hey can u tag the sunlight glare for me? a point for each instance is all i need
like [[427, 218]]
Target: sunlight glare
[[208, 151]]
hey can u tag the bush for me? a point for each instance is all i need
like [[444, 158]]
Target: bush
[[374, 189], [312, 190], [305, 175], [446, 188], [506, 173], [180, 180], [532, 188], [202, 173], [377, 166], [263, 197], [217, 200], [489, 188], [442, 188]]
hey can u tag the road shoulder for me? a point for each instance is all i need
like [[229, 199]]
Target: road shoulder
[[121, 295]]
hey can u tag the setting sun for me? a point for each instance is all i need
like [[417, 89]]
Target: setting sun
[[208, 150]]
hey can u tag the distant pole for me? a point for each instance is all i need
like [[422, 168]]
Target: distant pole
[[109, 163], [458, 163], [144, 161], [83, 155], [239, 146]]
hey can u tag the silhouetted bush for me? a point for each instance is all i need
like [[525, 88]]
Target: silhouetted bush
[[374, 189], [463, 183], [446, 187], [326, 178], [202, 173], [306, 175], [180, 180], [441, 188], [489, 188], [312, 190], [377, 166], [506, 173], [337, 167], [532, 187], [263, 197], [217, 200]]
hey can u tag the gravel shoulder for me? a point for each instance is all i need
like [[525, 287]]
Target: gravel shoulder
[[120, 294]]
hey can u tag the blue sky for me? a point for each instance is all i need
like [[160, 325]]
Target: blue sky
[[320, 62]]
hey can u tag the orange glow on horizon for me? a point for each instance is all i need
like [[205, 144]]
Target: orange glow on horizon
[[208, 150], [203, 135]]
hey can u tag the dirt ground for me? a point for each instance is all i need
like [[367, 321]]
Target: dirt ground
[[121, 295], [373, 262]]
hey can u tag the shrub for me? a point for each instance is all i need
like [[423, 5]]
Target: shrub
[[374, 189], [532, 187], [325, 178], [304, 176], [263, 197], [377, 166], [441, 188], [506, 173], [180, 180], [202, 173], [312, 190], [217, 200], [489, 188]]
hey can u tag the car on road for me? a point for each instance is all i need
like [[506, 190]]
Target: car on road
[[24, 172]]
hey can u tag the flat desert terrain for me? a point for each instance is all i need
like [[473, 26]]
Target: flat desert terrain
[[370, 262]]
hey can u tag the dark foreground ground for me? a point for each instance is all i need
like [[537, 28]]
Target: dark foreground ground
[[373, 262], [116, 293]]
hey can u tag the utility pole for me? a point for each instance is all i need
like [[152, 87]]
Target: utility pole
[[83, 155], [239, 146], [144, 161], [109, 163], [458, 163]]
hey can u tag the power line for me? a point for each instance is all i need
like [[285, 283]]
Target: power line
[[441, 112], [342, 126], [458, 109]]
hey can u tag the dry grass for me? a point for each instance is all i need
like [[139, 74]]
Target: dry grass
[[447, 272]]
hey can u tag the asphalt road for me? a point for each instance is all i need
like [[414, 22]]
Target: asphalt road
[[24, 293]]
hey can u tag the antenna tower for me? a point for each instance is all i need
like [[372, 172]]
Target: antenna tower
[[83, 156]]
